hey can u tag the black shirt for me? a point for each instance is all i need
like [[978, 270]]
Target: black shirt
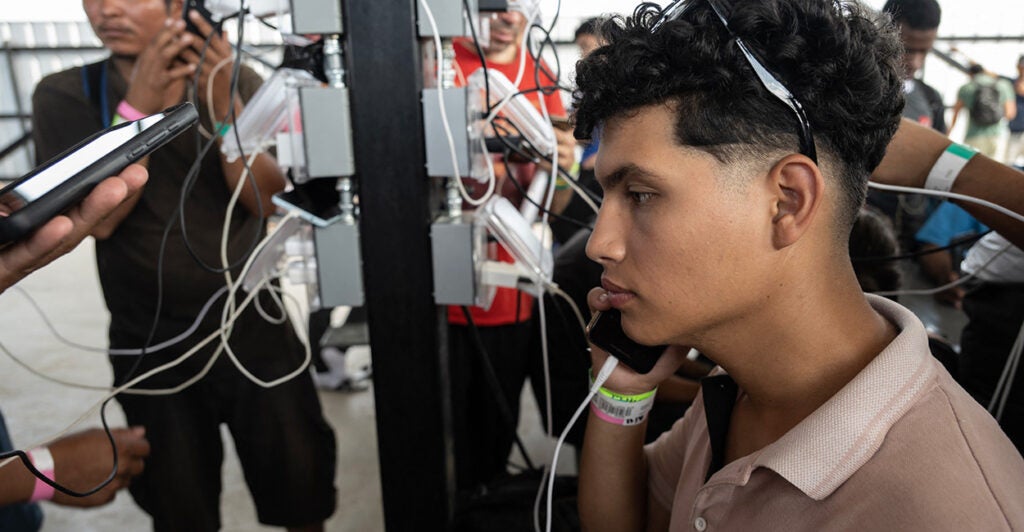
[[128, 260]]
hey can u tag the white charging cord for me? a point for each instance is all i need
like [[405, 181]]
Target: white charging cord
[[491, 182], [599, 380], [950, 195], [1005, 383], [136, 351], [128, 385], [947, 286]]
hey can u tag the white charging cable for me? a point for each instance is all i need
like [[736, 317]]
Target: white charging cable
[[599, 380], [491, 182], [137, 351], [950, 195], [1005, 383]]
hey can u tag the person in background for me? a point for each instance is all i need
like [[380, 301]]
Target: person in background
[[989, 101], [918, 23], [947, 223], [483, 435], [1015, 144], [588, 40], [82, 460], [153, 60], [578, 212]]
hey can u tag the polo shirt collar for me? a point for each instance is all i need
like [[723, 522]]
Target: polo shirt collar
[[829, 446]]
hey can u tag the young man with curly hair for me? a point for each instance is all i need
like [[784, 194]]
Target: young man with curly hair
[[724, 228]]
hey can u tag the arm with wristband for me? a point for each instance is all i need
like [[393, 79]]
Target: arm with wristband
[[917, 152], [213, 75], [613, 491], [78, 461]]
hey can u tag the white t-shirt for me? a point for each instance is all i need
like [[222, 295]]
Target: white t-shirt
[[1005, 266]]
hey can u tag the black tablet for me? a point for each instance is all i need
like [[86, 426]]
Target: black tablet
[[65, 180]]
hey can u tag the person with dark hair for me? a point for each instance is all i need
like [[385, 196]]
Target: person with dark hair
[[587, 38], [737, 140], [872, 237], [990, 102], [918, 23]]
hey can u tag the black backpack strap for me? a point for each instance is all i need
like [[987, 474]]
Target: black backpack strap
[[94, 84]]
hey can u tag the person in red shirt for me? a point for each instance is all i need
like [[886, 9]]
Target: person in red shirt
[[483, 435]]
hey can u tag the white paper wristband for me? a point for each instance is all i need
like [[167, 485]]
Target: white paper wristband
[[948, 166]]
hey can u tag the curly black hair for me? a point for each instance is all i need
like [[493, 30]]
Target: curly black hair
[[839, 59], [916, 14]]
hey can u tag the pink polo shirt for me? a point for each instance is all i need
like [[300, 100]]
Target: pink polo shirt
[[900, 447]]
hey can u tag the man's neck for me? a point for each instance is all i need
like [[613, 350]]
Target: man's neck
[[504, 57], [799, 349], [124, 65]]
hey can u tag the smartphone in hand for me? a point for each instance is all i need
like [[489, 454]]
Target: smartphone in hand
[[605, 331], [49, 190], [200, 7]]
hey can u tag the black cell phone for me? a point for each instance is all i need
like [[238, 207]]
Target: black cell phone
[[605, 331], [200, 7], [316, 201], [65, 180]]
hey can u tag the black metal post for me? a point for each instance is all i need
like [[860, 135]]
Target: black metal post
[[409, 364]]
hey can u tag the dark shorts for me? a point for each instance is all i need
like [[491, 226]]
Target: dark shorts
[[284, 444]]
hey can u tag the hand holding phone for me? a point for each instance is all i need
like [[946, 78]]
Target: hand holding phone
[[198, 6], [61, 234], [62, 182], [210, 57], [605, 331], [158, 78]]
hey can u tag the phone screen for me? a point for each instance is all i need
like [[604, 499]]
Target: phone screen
[[316, 201], [63, 181], [605, 331], [56, 174]]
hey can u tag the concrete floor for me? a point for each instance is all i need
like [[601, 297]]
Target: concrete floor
[[36, 409]]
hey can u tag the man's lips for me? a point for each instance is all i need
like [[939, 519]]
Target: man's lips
[[114, 31], [617, 295]]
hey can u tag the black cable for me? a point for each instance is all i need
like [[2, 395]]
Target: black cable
[[953, 244], [538, 156], [27, 462], [519, 186], [190, 183], [539, 66], [492, 381], [554, 19], [190, 178]]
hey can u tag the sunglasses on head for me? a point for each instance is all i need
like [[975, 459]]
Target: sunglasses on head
[[679, 8]]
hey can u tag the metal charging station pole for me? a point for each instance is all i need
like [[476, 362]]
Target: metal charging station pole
[[408, 343]]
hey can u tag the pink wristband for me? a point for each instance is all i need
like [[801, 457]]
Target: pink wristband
[[128, 112], [43, 461]]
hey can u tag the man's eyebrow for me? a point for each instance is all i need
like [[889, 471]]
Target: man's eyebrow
[[612, 180]]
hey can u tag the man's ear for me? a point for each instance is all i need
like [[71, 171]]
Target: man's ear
[[799, 193]]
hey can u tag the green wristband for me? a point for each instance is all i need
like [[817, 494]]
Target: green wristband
[[622, 398]]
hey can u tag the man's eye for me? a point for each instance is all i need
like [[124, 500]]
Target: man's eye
[[640, 198]]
